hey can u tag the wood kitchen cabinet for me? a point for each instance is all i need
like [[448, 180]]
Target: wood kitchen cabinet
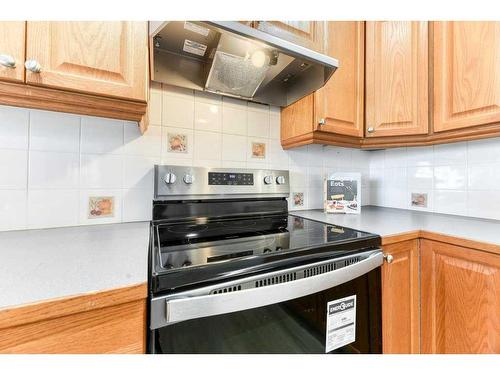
[[309, 34], [396, 78], [460, 299], [91, 68], [334, 113], [401, 299], [466, 74], [12, 37], [100, 57]]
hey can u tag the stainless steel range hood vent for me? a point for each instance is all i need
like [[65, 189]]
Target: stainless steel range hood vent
[[230, 58]]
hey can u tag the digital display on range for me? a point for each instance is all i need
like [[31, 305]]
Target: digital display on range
[[223, 178]]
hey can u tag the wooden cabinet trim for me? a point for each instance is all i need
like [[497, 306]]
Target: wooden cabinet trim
[[22, 95], [55, 308]]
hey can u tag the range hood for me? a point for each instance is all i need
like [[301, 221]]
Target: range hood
[[233, 59]]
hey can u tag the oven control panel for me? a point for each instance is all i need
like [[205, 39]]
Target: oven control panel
[[230, 178], [178, 182]]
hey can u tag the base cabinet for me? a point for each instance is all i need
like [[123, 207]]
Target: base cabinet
[[400, 299], [460, 299]]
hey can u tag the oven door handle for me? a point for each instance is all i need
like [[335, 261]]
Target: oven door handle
[[172, 309]]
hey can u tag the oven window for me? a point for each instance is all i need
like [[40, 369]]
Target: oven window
[[295, 326]]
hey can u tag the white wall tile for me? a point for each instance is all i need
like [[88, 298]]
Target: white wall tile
[[178, 111], [395, 157], [147, 144], [450, 177], [377, 159], [138, 172], [395, 178], [420, 177], [419, 156], [53, 170], [234, 147], [483, 204], [54, 131], [155, 103], [450, 154], [315, 178], [100, 135], [452, 202], [101, 171], [13, 204], [207, 117], [278, 158], [395, 197], [52, 208], [258, 124], [207, 145], [14, 128], [137, 204], [85, 194], [484, 150], [337, 156], [275, 126], [13, 169], [234, 120], [484, 176]]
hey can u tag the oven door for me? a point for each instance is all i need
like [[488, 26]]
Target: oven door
[[332, 306]]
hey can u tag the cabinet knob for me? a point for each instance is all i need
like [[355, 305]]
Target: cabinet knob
[[370, 129], [8, 61], [321, 121], [388, 258], [33, 66]]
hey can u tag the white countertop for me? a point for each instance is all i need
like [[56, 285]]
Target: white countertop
[[392, 221], [37, 265]]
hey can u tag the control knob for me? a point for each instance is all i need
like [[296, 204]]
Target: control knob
[[268, 180], [188, 179], [169, 178], [280, 180]]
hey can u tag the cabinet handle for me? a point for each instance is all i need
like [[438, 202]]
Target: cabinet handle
[[388, 258], [321, 121], [8, 61], [33, 66], [370, 129]]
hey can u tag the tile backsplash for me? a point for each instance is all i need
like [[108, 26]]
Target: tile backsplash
[[60, 169], [56, 167], [458, 178]]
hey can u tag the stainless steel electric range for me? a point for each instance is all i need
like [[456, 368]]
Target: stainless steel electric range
[[231, 271]]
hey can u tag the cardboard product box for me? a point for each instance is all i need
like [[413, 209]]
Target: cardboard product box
[[342, 192]]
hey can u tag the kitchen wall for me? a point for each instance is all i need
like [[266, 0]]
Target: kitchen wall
[[61, 169], [458, 178]]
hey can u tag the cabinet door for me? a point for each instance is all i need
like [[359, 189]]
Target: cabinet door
[[12, 42], [396, 78], [340, 102], [466, 74], [101, 57], [460, 299], [400, 299], [309, 34]]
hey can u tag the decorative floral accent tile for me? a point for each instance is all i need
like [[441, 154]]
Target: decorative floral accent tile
[[100, 207], [258, 150], [419, 200], [177, 142], [298, 199]]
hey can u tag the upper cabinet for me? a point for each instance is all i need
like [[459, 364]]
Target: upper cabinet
[[396, 78], [12, 37], [334, 113], [309, 34], [105, 58], [90, 68], [466, 74]]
